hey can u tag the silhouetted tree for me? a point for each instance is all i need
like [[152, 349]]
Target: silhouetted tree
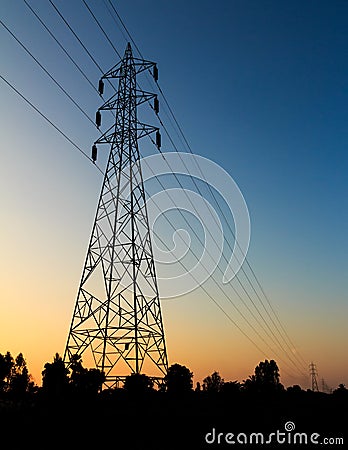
[[85, 381], [213, 383], [55, 380], [266, 378], [198, 387], [77, 371], [341, 391], [295, 389], [231, 387], [178, 379], [138, 384], [93, 380], [19, 382], [6, 365]]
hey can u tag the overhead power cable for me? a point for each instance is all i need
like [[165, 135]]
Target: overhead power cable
[[47, 72], [50, 122], [286, 339], [78, 39], [101, 28], [218, 285], [61, 46]]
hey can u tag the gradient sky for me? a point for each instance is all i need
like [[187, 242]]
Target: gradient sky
[[260, 88]]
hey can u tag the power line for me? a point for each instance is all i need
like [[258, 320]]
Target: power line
[[60, 46], [274, 338], [78, 39], [47, 72], [101, 28], [218, 285], [229, 245], [49, 121], [124, 26], [67, 53], [190, 149]]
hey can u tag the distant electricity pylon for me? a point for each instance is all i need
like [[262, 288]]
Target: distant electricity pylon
[[117, 319], [325, 387], [314, 374]]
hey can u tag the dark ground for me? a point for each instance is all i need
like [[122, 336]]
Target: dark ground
[[154, 421]]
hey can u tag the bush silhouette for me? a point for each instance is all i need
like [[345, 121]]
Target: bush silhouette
[[178, 379]]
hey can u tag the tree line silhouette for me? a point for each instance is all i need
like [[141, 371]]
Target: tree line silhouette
[[148, 414]]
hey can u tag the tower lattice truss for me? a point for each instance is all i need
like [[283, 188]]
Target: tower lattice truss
[[117, 322]]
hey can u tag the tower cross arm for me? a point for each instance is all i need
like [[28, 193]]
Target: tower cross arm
[[114, 72], [145, 130], [107, 137], [142, 64], [141, 96], [110, 104]]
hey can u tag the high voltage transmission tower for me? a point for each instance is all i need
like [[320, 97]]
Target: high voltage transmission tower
[[325, 387], [117, 321], [314, 374]]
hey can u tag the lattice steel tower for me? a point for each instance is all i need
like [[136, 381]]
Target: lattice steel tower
[[117, 322], [314, 374]]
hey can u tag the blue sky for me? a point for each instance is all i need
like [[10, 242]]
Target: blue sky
[[259, 87]]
